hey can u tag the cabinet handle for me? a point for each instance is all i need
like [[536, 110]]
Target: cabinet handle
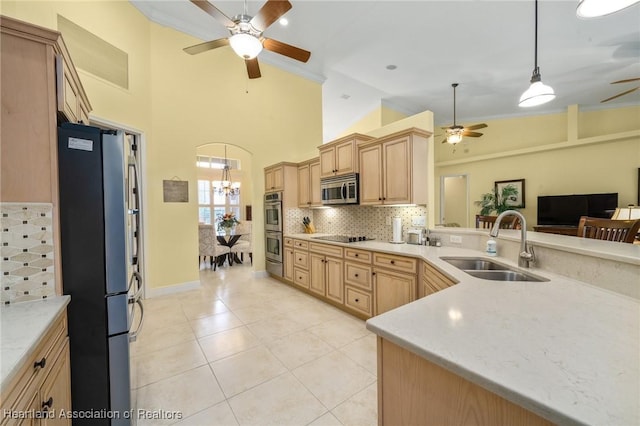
[[40, 363], [379, 199], [393, 262], [48, 402], [356, 254], [373, 273], [357, 300], [356, 275], [299, 259]]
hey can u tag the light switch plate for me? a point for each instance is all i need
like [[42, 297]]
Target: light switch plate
[[457, 239], [419, 221]]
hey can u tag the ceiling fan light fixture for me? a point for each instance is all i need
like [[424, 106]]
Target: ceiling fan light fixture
[[538, 93], [245, 45], [454, 136], [597, 8]]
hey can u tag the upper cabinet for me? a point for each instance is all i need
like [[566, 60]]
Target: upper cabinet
[[309, 184], [283, 177], [71, 101], [274, 178], [393, 169], [340, 157]]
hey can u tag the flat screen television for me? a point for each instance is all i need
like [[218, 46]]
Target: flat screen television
[[566, 209]]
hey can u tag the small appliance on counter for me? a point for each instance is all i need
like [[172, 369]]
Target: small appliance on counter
[[416, 236]]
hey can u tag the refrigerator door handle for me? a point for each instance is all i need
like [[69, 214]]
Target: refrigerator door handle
[[138, 290], [133, 335]]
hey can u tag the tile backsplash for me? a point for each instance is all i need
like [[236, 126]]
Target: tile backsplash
[[353, 220], [27, 271]]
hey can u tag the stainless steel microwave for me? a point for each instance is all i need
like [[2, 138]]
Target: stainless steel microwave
[[340, 189]]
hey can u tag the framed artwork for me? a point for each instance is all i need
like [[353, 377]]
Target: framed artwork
[[516, 200]]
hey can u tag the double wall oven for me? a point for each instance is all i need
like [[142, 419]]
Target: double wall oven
[[273, 232]]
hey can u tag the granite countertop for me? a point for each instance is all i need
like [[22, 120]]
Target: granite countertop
[[565, 350], [23, 326]]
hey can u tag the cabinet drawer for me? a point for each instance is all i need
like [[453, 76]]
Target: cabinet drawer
[[358, 255], [358, 300], [327, 249], [301, 277], [301, 244], [358, 275], [397, 263], [301, 259], [288, 242]]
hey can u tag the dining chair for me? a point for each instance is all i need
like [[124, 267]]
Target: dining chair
[[624, 231], [208, 246], [487, 222], [244, 244]]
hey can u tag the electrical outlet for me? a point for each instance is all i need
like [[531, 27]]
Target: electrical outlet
[[419, 221], [456, 239], [389, 220]]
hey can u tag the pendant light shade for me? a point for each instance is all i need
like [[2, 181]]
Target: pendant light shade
[[538, 93], [596, 8], [245, 45]]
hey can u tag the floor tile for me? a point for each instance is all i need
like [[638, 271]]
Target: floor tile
[[327, 419], [186, 393], [333, 378], [219, 414], [363, 352], [247, 369], [275, 327], [280, 401], [299, 348], [152, 339], [227, 343], [359, 410], [206, 326], [340, 331], [199, 308], [166, 362]]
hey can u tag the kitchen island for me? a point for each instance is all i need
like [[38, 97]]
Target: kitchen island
[[564, 350]]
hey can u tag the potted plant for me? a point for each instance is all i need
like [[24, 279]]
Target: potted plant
[[227, 222], [494, 202]]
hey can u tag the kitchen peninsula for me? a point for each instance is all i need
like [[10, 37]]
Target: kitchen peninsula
[[561, 351]]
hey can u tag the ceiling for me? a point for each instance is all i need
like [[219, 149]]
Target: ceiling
[[485, 46]]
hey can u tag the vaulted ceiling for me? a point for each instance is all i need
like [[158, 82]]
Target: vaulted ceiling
[[485, 46]]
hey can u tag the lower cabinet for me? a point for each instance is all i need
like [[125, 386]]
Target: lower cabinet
[[433, 280], [42, 387], [288, 263], [393, 289], [326, 268]]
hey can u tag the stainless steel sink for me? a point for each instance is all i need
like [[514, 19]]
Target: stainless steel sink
[[489, 269]]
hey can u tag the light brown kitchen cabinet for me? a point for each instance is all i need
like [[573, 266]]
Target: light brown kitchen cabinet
[[29, 96], [393, 289], [358, 281], [71, 101], [326, 266], [43, 381], [274, 179], [288, 263], [433, 280], [393, 169], [283, 177], [340, 157], [309, 184]]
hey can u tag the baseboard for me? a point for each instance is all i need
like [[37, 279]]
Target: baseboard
[[260, 274], [171, 289]]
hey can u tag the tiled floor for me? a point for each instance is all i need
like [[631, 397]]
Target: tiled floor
[[253, 351]]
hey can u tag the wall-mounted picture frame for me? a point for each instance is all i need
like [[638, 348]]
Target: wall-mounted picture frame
[[517, 200]]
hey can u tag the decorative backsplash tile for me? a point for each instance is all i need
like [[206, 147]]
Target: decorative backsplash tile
[[353, 220], [26, 239]]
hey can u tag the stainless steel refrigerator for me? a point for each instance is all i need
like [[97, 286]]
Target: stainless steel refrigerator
[[101, 266]]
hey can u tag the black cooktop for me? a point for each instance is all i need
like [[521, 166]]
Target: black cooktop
[[342, 238]]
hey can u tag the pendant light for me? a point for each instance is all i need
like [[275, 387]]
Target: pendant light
[[596, 8], [538, 93], [454, 133], [227, 187]]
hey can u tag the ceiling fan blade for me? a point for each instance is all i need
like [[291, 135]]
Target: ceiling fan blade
[[215, 12], [626, 81], [476, 126], [444, 141], [619, 94], [269, 13], [207, 45], [286, 49], [471, 134], [253, 69]]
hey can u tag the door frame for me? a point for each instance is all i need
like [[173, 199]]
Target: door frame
[[442, 197]]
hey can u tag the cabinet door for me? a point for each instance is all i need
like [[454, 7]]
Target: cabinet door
[[393, 289], [327, 162], [317, 270], [278, 178], [67, 93], [334, 281], [315, 195], [304, 177], [345, 157], [269, 184], [288, 264], [397, 172], [371, 175], [56, 390]]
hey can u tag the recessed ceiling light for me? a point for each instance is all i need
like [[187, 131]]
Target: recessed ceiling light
[[284, 22], [391, 67]]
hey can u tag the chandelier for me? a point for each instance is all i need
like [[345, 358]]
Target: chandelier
[[226, 185]]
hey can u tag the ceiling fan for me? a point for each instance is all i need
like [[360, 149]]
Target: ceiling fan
[[455, 132], [625, 92], [246, 34]]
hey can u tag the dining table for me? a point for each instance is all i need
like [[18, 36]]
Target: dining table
[[229, 241]]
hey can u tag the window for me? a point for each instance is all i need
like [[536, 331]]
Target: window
[[211, 204], [205, 162]]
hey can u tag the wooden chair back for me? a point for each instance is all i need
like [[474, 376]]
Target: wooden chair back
[[608, 229], [487, 222]]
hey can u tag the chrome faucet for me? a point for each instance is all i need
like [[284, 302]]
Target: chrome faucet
[[526, 255]]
